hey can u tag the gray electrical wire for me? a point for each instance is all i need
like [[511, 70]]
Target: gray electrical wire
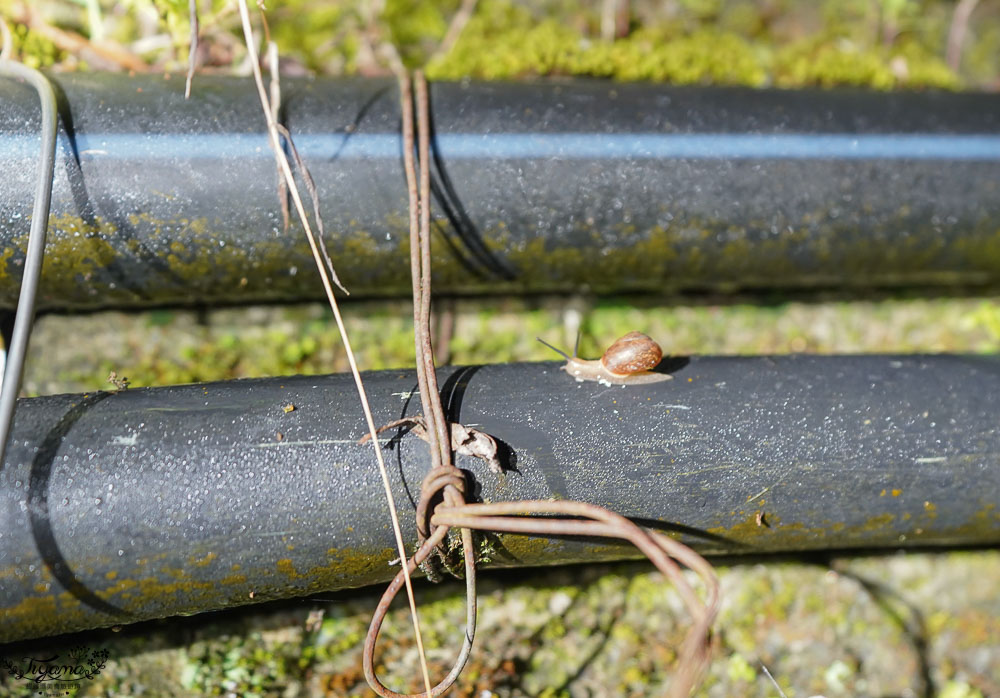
[[36, 246]]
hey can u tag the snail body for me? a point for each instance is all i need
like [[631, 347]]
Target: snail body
[[626, 362]]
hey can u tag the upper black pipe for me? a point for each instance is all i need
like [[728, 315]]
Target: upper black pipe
[[538, 187], [153, 502]]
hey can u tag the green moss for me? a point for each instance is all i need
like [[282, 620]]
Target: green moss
[[959, 689], [188, 347], [416, 26], [739, 669], [890, 44], [980, 56], [504, 41], [338, 633], [34, 49], [304, 28], [826, 62]]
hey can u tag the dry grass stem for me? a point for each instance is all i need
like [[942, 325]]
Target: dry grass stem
[[957, 31], [314, 197], [445, 317], [609, 10], [95, 21], [275, 85], [771, 679], [300, 165], [105, 55], [328, 287], [192, 46], [374, 51], [458, 23], [8, 41]]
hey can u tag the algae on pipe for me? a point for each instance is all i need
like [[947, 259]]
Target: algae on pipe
[[145, 503], [544, 187]]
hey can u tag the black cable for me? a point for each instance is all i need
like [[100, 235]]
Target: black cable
[[14, 366]]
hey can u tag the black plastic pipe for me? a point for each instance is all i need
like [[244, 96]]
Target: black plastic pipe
[[538, 187], [153, 502]]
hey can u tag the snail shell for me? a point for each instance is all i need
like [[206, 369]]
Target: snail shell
[[633, 353], [626, 362]]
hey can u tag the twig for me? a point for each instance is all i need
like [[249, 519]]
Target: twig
[[458, 22], [609, 10], [445, 330], [373, 48], [300, 165], [314, 196], [768, 674], [614, 19], [445, 480], [192, 46], [94, 20], [272, 66], [8, 41], [327, 286], [956, 33], [622, 19], [106, 54]]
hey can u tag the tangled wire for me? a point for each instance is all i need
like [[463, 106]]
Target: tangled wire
[[443, 503]]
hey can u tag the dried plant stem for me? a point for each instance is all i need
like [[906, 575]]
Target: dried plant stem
[[105, 55], [956, 33], [328, 287], [192, 46], [272, 67], [771, 679], [458, 22], [94, 20], [445, 330], [609, 13], [300, 165], [8, 41], [314, 195]]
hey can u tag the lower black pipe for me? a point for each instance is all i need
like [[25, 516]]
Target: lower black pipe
[[146, 503]]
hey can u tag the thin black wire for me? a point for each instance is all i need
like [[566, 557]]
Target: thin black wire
[[36, 247]]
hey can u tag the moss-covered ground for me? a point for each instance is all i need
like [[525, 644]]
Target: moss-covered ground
[[914, 624], [881, 44], [165, 347]]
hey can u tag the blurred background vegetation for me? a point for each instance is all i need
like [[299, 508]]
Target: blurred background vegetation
[[881, 44], [918, 624]]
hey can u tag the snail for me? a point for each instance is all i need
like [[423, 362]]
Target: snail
[[626, 362]]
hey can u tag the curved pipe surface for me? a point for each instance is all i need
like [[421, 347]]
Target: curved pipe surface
[[538, 187], [119, 507]]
